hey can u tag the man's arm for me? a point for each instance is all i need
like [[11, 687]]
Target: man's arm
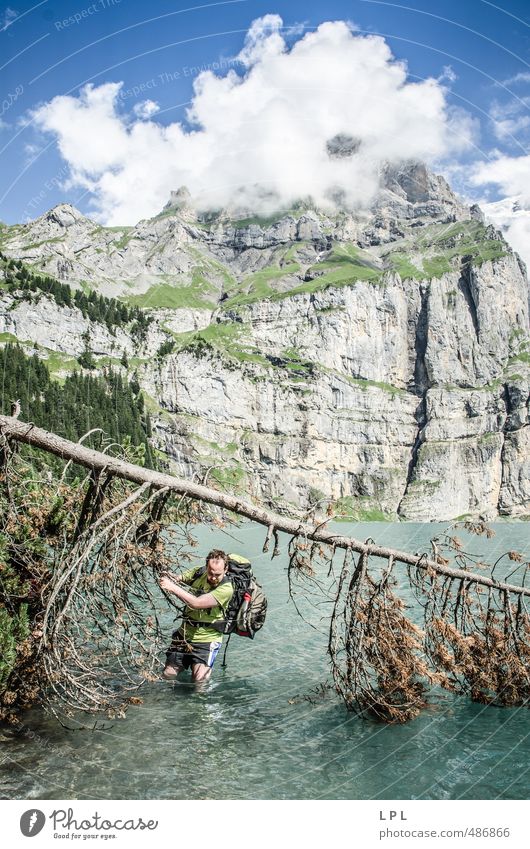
[[200, 602], [185, 577]]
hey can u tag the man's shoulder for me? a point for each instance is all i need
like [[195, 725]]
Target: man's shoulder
[[224, 590], [191, 575]]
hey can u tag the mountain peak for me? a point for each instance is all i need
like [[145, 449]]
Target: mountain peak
[[181, 202], [64, 214]]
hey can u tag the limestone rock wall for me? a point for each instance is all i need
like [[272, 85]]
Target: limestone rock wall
[[395, 413], [397, 395]]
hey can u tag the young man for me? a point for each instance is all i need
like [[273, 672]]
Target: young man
[[196, 643]]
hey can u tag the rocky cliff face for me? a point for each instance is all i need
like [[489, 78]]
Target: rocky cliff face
[[376, 358]]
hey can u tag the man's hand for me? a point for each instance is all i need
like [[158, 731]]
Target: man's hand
[[167, 584], [201, 602]]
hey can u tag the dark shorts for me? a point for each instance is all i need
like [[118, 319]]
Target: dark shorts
[[182, 653]]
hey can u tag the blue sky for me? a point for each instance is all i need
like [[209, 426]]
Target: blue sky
[[478, 51]]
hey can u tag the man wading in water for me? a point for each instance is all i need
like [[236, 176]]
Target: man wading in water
[[197, 642]]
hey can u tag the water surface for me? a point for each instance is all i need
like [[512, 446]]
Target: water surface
[[252, 734]]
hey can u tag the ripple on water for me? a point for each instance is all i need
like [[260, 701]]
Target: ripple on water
[[252, 734]]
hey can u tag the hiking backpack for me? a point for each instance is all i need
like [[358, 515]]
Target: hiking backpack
[[248, 606]]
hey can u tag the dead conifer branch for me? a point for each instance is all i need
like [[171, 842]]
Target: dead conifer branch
[[89, 458], [96, 644]]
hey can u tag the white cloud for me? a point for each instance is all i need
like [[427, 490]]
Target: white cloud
[[448, 75], [511, 175], [523, 77], [32, 151], [258, 139], [146, 109], [508, 120], [510, 127], [510, 216], [8, 16], [263, 39], [91, 136]]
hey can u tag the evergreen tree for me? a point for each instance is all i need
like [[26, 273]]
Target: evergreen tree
[[86, 359], [95, 306], [84, 402]]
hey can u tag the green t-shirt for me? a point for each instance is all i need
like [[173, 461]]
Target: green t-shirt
[[222, 593]]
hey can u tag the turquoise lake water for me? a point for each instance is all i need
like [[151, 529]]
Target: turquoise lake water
[[251, 734]]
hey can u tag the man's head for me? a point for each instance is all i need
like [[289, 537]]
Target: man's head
[[216, 566]]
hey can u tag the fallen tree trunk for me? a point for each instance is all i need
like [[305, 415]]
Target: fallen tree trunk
[[97, 461], [93, 587]]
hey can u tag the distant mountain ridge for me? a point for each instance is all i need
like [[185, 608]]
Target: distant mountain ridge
[[165, 249], [377, 357]]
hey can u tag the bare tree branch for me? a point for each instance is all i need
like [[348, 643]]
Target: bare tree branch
[[97, 461]]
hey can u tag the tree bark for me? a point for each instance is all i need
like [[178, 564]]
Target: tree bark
[[12, 428]]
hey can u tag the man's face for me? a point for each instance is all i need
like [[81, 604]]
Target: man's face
[[215, 571]]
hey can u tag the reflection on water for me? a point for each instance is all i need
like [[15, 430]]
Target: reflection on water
[[251, 734]]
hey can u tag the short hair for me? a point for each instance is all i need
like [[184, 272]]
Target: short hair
[[217, 554]]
